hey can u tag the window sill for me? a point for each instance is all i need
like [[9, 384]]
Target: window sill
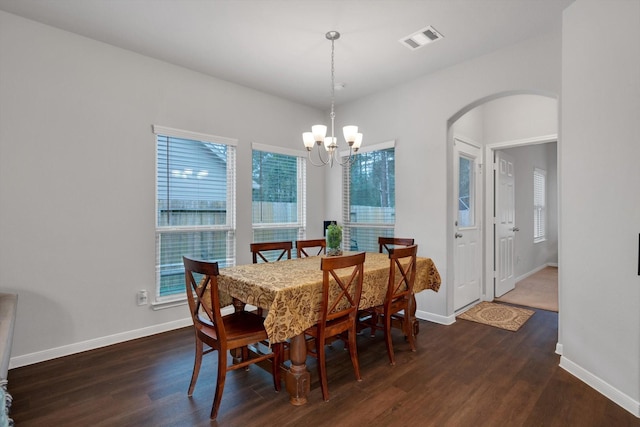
[[161, 305]]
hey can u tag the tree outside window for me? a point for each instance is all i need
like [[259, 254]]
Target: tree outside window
[[278, 195], [369, 187]]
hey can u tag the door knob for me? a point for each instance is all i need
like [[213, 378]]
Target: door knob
[[515, 229], [458, 235]]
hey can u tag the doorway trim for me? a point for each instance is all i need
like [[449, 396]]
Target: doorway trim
[[489, 250], [479, 223]]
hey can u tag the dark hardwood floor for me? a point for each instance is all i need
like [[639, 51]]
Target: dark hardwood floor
[[466, 374]]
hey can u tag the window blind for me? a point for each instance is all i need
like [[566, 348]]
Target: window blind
[[539, 205], [278, 194], [195, 205], [369, 198]]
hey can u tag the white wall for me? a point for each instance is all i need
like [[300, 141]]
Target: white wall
[[470, 127], [77, 178], [520, 117], [600, 207]]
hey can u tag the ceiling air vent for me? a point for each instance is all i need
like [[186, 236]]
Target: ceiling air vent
[[421, 38]]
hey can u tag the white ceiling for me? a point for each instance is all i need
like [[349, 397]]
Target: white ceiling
[[279, 46]]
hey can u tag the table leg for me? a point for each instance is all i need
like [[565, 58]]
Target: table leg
[[296, 377]]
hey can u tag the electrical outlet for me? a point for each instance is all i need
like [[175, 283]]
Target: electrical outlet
[[142, 297]]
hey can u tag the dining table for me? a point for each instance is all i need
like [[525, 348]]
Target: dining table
[[291, 292]]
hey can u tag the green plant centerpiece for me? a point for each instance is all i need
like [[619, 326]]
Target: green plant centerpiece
[[334, 239]]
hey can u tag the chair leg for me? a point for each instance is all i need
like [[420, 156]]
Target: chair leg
[[374, 324], [196, 366], [353, 352], [222, 374], [245, 356], [322, 368], [387, 339]]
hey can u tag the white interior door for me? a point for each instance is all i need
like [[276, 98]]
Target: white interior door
[[505, 221], [468, 210]]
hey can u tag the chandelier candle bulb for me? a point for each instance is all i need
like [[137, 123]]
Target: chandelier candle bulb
[[330, 143], [357, 143], [319, 132], [350, 133], [308, 140]]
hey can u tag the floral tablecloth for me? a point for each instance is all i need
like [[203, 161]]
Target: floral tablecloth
[[292, 289]]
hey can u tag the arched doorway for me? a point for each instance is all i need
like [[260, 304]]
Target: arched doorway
[[497, 123]]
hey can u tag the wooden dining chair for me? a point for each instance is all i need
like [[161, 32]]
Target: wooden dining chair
[[399, 297], [222, 333], [386, 243], [303, 247], [342, 278], [270, 251]]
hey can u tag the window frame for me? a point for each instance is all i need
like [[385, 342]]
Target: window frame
[[539, 206], [472, 185], [385, 229], [301, 180], [230, 217]]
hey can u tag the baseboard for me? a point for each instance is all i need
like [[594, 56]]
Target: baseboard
[[601, 386], [53, 353], [66, 350], [435, 318], [559, 349]]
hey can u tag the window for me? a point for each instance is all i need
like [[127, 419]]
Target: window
[[278, 195], [466, 192], [539, 205], [195, 204], [369, 198]]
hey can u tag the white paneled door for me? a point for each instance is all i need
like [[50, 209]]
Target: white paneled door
[[468, 210], [505, 223]]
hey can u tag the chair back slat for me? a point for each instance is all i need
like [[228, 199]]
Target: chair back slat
[[303, 247], [387, 243], [269, 250]]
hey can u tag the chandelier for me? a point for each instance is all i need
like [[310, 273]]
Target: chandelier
[[318, 134]]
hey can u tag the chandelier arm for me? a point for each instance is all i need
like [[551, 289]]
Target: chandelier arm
[[322, 162], [312, 162], [349, 160]]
